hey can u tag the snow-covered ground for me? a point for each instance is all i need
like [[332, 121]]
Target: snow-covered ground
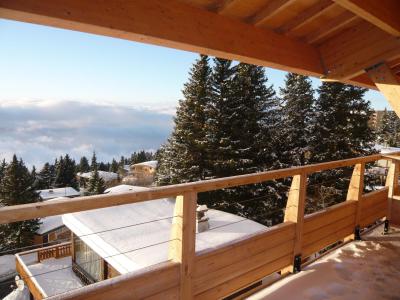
[[367, 270], [55, 276], [7, 266]]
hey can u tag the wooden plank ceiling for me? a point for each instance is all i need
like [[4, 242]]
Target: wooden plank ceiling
[[330, 39]]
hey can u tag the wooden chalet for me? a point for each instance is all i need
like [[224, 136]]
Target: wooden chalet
[[351, 41]]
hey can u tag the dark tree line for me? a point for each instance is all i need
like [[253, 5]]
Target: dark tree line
[[18, 186], [231, 122]]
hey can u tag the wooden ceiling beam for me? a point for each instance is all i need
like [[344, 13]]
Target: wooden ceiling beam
[[382, 13], [171, 24], [348, 54], [306, 16], [224, 5], [330, 27], [388, 83], [270, 10]]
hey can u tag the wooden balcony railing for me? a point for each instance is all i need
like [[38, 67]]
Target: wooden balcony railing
[[58, 251], [217, 273]]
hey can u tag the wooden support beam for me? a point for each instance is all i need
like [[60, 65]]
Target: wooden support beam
[[306, 16], [183, 240], [392, 181], [383, 14], [387, 82], [272, 8], [172, 24], [348, 54], [356, 187], [354, 193], [327, 28], [295, 210]]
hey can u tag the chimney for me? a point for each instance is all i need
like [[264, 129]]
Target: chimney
[[202, 219]]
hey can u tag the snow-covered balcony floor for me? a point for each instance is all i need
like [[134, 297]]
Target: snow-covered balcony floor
[[55, 276], [367, 270]]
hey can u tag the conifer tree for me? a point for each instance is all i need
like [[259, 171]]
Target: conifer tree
[[341, 127], [242, 115], [184, 156], [3, 166], [341, 131], [388, 131], [45, 177], [218, 127], [16, 188], [297, 123], [114, 166], [96, 183], [83, 166], [65, 173]]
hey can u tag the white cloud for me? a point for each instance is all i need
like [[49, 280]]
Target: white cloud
[[39, 131]]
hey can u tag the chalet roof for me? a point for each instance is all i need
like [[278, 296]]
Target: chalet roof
[[50, 223], [132, 247], [124, 188], [58, 192], [150, 163]]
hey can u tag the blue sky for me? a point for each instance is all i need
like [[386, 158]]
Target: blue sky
[[44, 71]]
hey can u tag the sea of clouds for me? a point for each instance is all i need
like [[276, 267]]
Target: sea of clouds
[[40, 131]]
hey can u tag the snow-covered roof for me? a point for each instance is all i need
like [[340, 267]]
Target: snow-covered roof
[[124, 188], [144, 230], [54, 276], [150, 163], [58, 192], [106, 176], [49, 224], [52, 222], [385, 150]]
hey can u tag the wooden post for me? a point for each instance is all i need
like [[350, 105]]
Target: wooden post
[[392, 181], [295, 212], [386, 81], [355, 192], [183, 238]]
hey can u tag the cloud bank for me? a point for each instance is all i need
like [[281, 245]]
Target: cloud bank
[[39, 131]]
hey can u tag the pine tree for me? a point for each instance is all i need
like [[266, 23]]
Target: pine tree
[[185, 160], [96, 183], [341, 127], [297, 123], [388, 132], [45, 177], [83, 165], [243, 113], [65, 173], [218, 128], [341, 131], [114, 166], [3, 166], [16, 188]]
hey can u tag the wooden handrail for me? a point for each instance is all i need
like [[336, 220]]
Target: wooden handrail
[[50, 208], [234, 266]]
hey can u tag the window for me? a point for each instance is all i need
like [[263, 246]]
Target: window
[[88, 260]]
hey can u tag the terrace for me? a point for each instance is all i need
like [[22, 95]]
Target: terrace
[[350, 41], [232, 266]]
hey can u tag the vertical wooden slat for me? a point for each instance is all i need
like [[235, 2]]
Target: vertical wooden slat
[[183, 237], [356, 188], [392, 181], [295, 211], [354, 193]]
